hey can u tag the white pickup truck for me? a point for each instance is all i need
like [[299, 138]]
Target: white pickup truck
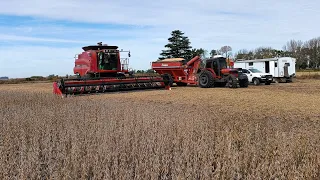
[[256, 77]]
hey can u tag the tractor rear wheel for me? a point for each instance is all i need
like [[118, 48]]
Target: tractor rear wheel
[[206, 79]]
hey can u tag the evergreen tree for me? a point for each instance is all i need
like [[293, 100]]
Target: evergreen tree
[[199, 52], [178, 46]]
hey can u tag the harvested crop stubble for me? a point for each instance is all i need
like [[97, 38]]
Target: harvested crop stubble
[[186, 133]]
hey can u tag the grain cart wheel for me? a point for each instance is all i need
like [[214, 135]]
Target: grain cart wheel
[[181, 84], [232, 81], [168, 79], [206, 79], [256, 81]]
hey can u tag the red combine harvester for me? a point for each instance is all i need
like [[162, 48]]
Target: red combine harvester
[[216, 72], [100, 69]]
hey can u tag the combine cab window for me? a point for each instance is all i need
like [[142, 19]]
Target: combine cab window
[[108, 61]]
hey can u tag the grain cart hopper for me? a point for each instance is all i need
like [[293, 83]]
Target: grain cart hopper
[[214, 72], [100, 69]]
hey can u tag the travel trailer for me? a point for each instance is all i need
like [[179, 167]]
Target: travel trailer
[[283, 69]]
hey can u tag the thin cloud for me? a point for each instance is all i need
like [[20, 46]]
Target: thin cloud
[[144, 26], [4, 37]]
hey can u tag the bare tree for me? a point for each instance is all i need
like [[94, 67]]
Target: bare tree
[[225, 50]]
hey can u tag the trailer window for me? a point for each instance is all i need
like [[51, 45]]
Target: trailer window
[[275, 64], [287, 64], [250, 63]]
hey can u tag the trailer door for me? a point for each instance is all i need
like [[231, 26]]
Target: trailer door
[[286, 69], [267, 66], [276, 69]]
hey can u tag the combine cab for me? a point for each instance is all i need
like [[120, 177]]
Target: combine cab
[[100, 69], [216, 71]]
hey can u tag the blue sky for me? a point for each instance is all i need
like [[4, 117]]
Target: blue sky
[[41, 37]]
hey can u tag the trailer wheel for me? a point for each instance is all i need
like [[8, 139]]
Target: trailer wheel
[[256, 81], [206, 79]]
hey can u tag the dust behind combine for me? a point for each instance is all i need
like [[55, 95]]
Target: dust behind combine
[[270, 132]]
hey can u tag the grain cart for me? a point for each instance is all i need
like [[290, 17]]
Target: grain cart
[[214, 72], [100, 69]]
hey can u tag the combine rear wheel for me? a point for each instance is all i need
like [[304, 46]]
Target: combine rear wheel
[[206, 79]]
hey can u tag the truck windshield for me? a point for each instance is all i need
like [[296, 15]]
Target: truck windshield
[[255, 71]]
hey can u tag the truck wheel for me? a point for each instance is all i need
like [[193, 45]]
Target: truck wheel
[[181, 84], [232, 82], [267, 83], [256, 81], [206, 79]]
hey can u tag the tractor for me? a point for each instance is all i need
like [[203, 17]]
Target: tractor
[[217, 72], [213, 72]]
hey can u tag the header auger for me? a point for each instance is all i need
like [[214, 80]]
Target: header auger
[[100, 69]]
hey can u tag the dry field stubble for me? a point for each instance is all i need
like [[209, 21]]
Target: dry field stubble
[[264, 132]]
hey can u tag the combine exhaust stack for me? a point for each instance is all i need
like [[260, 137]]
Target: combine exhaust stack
[[65, 87]]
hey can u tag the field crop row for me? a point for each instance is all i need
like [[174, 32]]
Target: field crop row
[[186, 133]]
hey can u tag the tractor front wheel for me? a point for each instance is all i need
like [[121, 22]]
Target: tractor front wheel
[[244, 83], [206, 79], [232, 82]]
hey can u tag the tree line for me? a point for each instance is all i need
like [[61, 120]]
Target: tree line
[[307, 53]]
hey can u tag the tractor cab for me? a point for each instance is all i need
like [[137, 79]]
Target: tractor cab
[[216, 64], [220, 65]]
